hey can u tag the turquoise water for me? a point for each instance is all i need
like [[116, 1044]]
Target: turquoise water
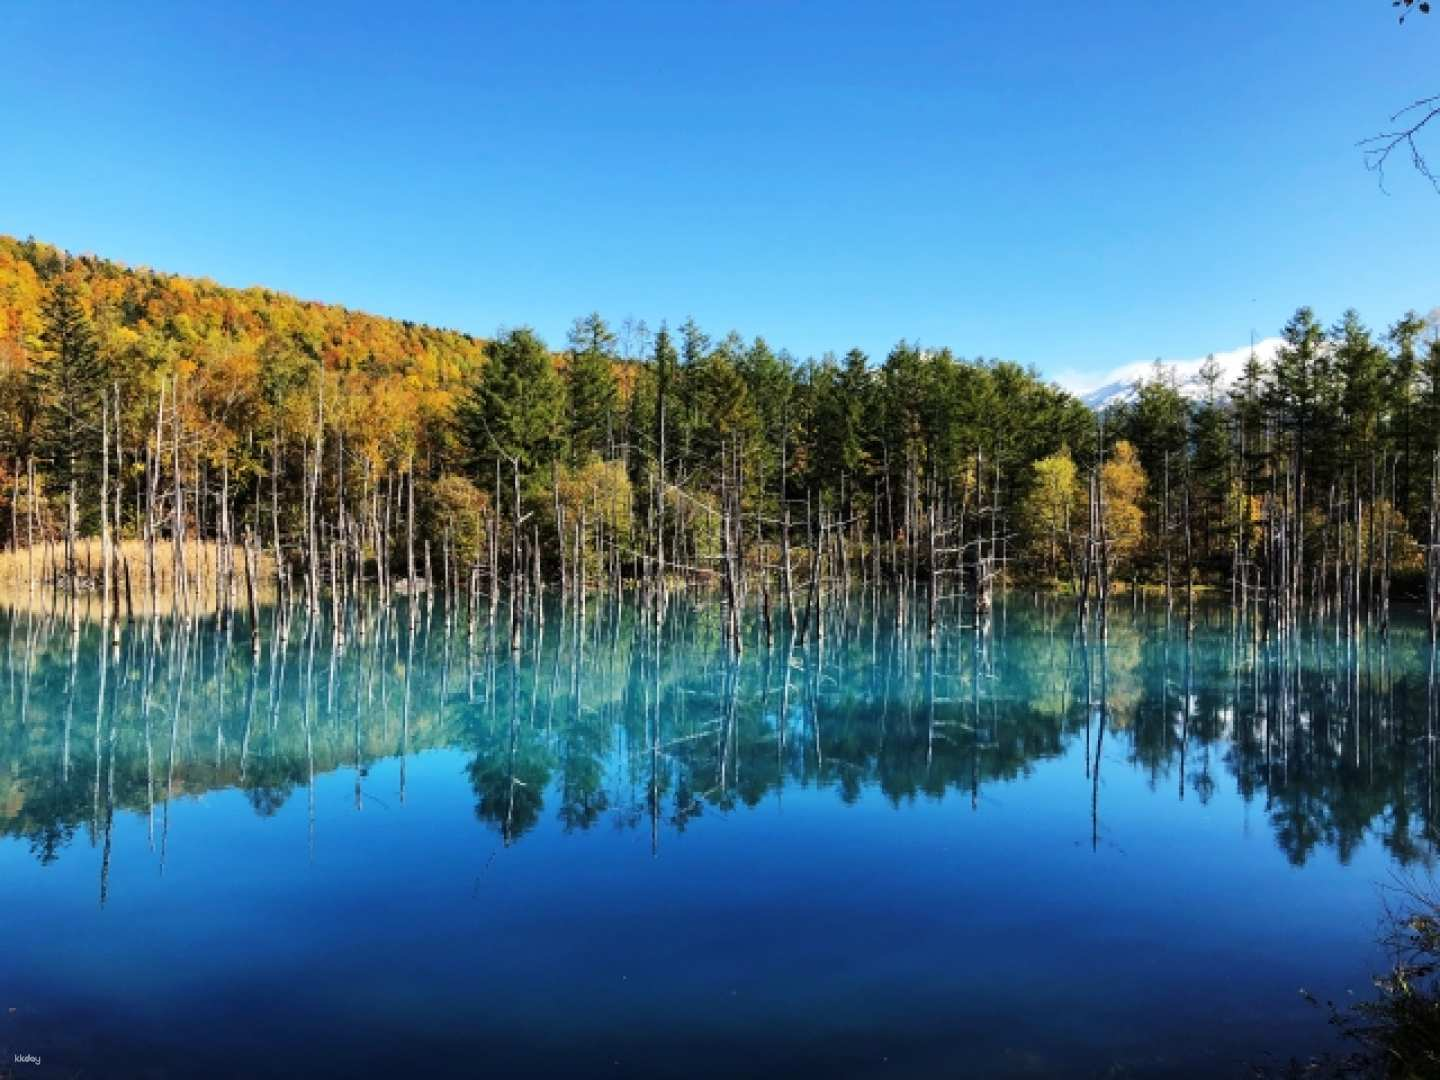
[[617, 853]]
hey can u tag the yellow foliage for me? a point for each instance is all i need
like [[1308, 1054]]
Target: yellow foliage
[[1405, 553], [395, 378], [598, 496], [1122, 482], [463, 511], [598, 491], [1046, 512]]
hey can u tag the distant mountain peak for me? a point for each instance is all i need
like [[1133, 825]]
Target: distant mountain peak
[[1119, 385]]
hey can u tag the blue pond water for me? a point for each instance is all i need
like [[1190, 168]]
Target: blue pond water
[[619, 854]]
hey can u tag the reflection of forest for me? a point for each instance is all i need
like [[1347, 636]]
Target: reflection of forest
[[615, 720]]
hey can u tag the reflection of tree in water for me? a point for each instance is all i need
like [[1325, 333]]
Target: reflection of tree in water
[[583, 798], [510, 781], [654, 727], [266, 799], [583, 803], [686, 807], [48, 839]]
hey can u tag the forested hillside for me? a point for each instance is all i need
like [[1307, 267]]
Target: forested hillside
[[153, 411]]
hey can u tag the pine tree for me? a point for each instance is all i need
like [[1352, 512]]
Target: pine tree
[[1362, 368], [515, 409], [684, 414], [1214, 460], [838, 400], [1402, 390], [69, 384], [593, 393], [1156, 425], [665, 363], [1299, 382]]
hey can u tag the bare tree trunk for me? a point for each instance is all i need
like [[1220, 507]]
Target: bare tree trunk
[[15, 513], [275, 521], [559, 530], [660, 512], [312, 508], [1165, 532], [1189, 564], [251, 571], [72, 521], [410, 537], [122, 561], [517, 570], [224, 541], [814, 583], [494, 538], [30, 526], [1371, 595], [1082, 601], [1432, 552], [181, 587], [539, 577], [932, 599], [786, 569], [106, 553]]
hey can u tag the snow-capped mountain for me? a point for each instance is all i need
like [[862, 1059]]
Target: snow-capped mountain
[[1119, 385]]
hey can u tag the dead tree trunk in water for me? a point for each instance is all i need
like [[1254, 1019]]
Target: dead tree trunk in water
[[932, 576], [30, 526], [1385, 570], [559, 531], [312, 511], [106, 553], [1103, 580], [1165, 517], [1189, 563], [275, 522], [251, 570], [1432, 548], [225, 569], [410, 537], [517, 570], [1082, 593], [786, 568], [494, 537], [180, 588], [728, 558], [152, 488], [659, 501], [812, 594]]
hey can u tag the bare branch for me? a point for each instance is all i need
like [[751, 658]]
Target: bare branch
[[1377, 148]]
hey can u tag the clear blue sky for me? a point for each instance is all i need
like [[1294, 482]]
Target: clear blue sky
[[1070, 185]]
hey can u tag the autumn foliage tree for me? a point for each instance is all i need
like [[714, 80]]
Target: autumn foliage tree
[[1123, 482], [1046, 513]]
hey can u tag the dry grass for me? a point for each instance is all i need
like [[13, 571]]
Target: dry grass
[[45, 563]]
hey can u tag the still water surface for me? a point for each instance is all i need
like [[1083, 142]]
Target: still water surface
[[619, 854]]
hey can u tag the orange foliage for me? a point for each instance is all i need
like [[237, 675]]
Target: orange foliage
[[386, 382]]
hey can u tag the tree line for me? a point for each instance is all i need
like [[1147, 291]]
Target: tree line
[[1309, 485], [316, 454]]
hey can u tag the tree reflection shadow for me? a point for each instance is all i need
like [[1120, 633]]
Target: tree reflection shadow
[[650, 723]]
